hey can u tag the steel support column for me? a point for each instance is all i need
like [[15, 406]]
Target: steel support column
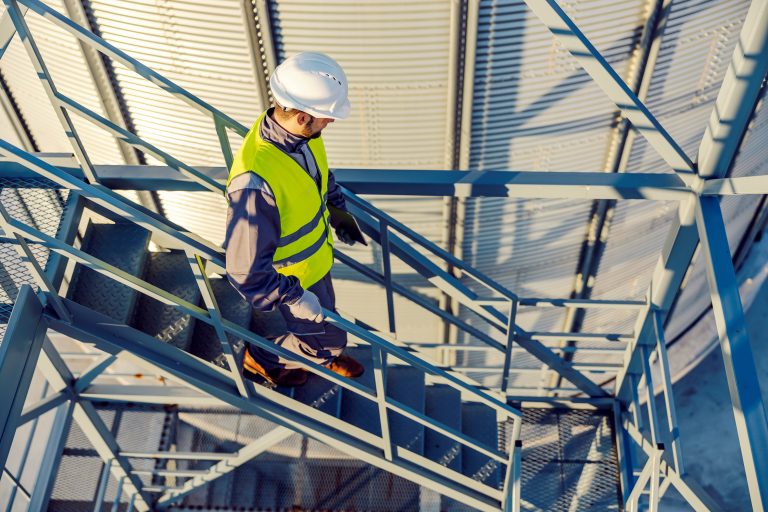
[[18, 357], [743, 384]]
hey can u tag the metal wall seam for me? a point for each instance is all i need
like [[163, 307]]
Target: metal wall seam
[[64, 59], [536, 109]]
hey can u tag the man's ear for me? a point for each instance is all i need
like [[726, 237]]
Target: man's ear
[[303, 118]]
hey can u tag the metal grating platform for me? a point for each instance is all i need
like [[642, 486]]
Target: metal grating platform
[[38, 203], [569, 461]]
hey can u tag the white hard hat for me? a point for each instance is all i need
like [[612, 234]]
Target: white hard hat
[[313, 83]]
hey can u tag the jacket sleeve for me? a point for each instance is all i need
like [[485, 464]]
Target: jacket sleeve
[[335, 197], [253, 229]]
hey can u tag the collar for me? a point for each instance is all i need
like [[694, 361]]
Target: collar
[[271, 131]]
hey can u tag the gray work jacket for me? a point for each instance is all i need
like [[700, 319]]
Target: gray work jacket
[[253, 225]]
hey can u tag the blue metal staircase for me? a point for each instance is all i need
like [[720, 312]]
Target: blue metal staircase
[[173, 313]]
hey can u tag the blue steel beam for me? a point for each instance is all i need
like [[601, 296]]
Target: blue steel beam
[[755, 185], [743, 383], [574, 40], [733, 109], [517, 184], [19, 351]]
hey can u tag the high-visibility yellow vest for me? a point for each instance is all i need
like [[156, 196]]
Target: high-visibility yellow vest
[[305, 247]]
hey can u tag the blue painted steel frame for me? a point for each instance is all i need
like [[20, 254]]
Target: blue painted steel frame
[[19, 351], [734, 108]]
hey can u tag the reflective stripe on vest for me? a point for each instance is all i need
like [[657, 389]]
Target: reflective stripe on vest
[[305, 247]]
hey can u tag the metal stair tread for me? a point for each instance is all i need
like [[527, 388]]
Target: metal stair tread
[[122, 245], [205, 343], [169, 271], [356, 409], [406, 385], [479, 423], [443, 404]]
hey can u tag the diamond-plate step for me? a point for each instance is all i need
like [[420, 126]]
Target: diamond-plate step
[[321, 394], [356, 409], [443, 404], [121, 245], [171, 272], [479, 423], [406, 385], [205, 343]]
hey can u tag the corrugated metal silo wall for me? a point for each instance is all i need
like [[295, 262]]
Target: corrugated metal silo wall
[[533, 109], [540, 112], [203, 47]]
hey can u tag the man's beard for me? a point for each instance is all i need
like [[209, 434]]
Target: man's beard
[[306, 130]]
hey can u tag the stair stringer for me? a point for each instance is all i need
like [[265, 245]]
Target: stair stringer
[[102, 333]]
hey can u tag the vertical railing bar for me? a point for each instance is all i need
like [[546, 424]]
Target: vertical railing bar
[[653, 418], [509, 346], [204, 284], [226, 147], [131, 503], [102, 490], [669, 398], [623, 453], [28, 446], [37, 272], [387, 261], [654, 496], [637, 412], [517, 467], [33, 52], [379, 374], [511, 489], [118, 495]]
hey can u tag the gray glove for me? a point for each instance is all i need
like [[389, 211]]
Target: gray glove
[[307, 307]]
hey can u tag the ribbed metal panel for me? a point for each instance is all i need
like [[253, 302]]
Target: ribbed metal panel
[[538, 110], [201, 46], [396, 57], [71, 76], [695, 52]]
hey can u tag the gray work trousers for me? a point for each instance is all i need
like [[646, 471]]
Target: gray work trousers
[[319, 348]]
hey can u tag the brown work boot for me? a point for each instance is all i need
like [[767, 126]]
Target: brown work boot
[[278, 377], [346, 367]]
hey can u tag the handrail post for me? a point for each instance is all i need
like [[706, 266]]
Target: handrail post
[[204, 284], [380, 377], [102, 490], [226, 147], [509, 345], [387, 261], [511, 490]]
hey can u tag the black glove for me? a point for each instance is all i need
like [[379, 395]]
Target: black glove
[[344, 235]]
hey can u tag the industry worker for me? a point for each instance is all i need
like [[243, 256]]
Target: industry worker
[[278, 241]]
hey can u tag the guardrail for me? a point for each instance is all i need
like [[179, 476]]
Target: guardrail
[[198, 253]]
